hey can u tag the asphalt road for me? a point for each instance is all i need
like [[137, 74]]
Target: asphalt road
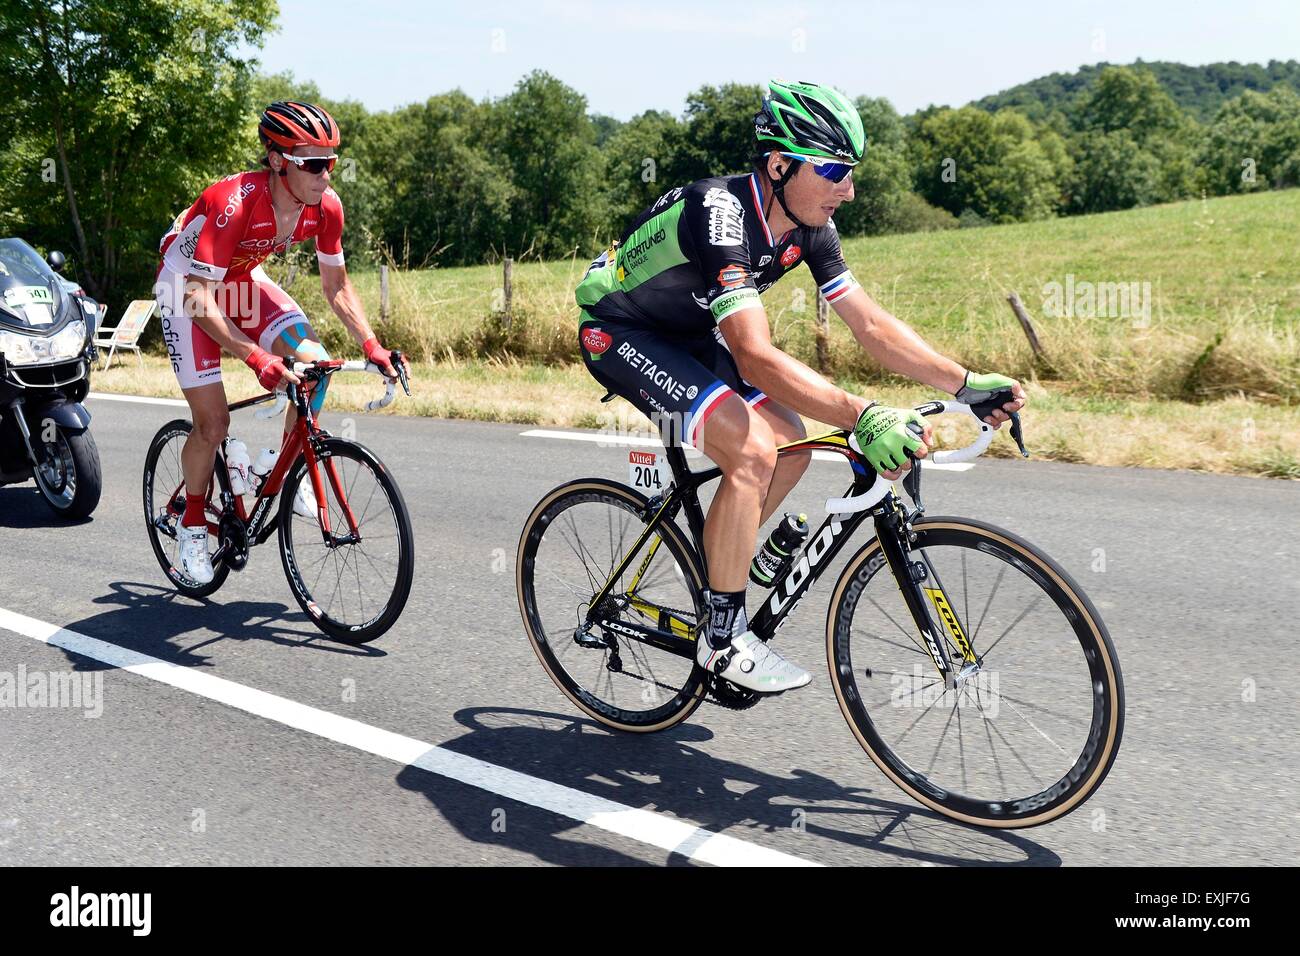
[[1200, 588]]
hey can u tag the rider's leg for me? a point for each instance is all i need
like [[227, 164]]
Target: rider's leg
[[786, 427], [742, 444], [298, 342], [211, 423], [196, 360]]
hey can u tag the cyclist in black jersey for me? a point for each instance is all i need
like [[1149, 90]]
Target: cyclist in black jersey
[[672, 321]]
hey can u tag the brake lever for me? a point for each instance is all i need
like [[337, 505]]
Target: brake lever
[[1018, 434], [912, 480], [395, 358]]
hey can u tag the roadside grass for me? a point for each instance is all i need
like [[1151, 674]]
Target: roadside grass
[[1232, 435]]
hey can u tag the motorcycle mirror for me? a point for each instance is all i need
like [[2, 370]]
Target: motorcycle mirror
[[56, 260]]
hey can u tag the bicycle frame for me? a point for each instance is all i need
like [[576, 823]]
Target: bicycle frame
[[306, 438], [892, 529]]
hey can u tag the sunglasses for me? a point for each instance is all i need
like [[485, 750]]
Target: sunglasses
[[835, 172], [313, 164]]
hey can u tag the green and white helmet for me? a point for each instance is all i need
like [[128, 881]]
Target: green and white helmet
[[809, 120]]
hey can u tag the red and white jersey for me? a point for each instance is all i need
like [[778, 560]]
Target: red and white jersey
[[230, 229]]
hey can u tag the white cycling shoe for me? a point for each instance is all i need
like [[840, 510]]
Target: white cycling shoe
[[751, 664], [196, 563], [304, 500]]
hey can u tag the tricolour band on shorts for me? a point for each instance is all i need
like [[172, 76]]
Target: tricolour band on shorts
[[703, 407]]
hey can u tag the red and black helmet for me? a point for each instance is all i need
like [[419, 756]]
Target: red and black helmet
[[287, 124]]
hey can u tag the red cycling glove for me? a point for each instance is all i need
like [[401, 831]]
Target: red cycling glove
[[270, 368], [376, 353]]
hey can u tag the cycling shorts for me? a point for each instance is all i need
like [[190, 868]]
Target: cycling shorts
[[676, 381], [258, 307]]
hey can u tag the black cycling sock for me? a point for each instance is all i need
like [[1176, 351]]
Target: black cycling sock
[[727, 618]]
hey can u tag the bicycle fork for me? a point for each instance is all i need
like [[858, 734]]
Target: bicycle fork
[[919, 583]]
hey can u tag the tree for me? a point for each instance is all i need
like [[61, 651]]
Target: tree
[[448, 199], [719, 130], [1112, 171], [642, 164], [543, 134], [1253, 143], [128, 110], [1159, 136], [994, 165]]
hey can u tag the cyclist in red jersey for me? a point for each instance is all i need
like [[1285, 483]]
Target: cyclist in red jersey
[[214, 296]]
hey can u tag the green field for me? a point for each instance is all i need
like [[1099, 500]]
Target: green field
[[1147, 388], [1224, 269]]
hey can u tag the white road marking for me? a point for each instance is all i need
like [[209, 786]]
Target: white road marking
[[641, 825], [142, 399], [614, 440]]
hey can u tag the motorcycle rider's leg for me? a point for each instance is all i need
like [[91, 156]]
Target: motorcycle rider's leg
[[211, 420]]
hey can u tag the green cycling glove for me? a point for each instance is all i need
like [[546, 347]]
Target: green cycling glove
[[882, 436], [980, 388]]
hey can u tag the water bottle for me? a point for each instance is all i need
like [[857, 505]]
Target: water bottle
[[237, 464], [777, 553], [266, 460]]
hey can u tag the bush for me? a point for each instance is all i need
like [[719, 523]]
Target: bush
[[914, 214]]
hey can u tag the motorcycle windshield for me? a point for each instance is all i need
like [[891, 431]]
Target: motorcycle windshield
[[32, 297]]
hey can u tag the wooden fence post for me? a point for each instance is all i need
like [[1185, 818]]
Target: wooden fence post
[[383, 293], [507, 266], [1018, 308], [823, 334]]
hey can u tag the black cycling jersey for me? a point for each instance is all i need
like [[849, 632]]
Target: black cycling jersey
[[700, 253]]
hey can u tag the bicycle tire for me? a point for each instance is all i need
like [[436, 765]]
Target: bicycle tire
[[349, 632], [172, 431], [691, 694], [1105, 731]]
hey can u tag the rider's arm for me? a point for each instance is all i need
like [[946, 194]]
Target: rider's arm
[[895, 345], [336, 285], [201, 306], [345, 302], [783, 377]]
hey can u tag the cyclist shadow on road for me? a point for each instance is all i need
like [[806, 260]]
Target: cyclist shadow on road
[[155, 620], [797, 812]]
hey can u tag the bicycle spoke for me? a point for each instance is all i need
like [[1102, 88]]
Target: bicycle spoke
[[996, 584], [905, 633], [1020, 617]]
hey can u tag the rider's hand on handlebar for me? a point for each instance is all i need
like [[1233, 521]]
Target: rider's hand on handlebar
[[890, 438], [978, 388], [270, 369], [382, 357]]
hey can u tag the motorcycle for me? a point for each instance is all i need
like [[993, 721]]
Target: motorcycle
[[46, 351]]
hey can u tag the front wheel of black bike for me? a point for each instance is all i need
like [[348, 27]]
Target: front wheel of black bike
[[619, 675], [1031, 724]]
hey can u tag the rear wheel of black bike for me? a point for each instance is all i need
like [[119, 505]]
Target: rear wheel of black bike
[[571, 543], [1030, 729], [352, 588]]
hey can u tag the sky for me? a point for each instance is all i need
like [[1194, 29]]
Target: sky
[[630, 57]]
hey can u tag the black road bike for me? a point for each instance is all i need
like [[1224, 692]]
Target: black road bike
[[970, 666]]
